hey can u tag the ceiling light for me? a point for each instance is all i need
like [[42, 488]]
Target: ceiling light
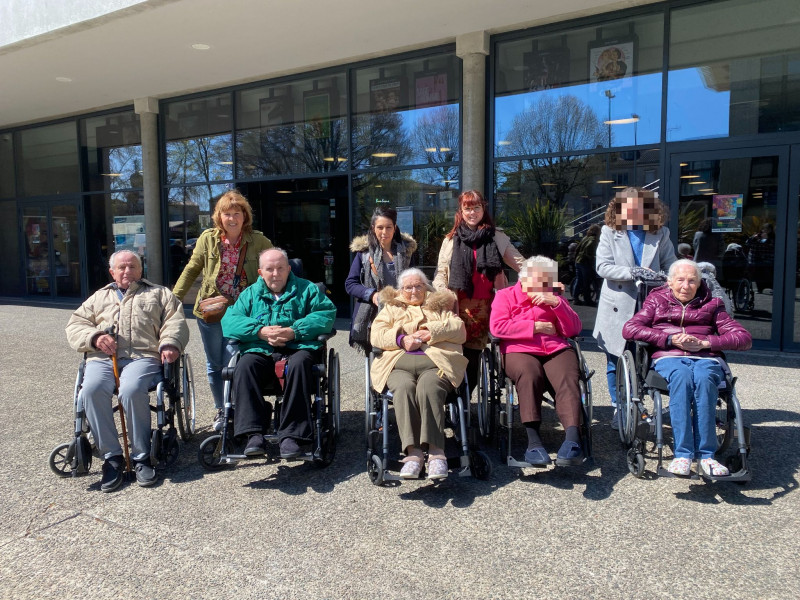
[[430, 149], [706, 190], [379, 185], [697, 182], [201, 46], [514, 193], [605, 181], [444, 149], [684, 164], [225, 162], [328, 159], [111, 174], [284, 192], [690, 176], [548, 184], [384, 154], [622, 121], [63, 80], [618, 187], [503, 143]]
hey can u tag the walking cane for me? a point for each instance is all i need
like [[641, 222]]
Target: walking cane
[[112, 331]]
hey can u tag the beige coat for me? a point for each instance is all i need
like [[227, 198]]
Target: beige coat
[[436, 315], [148, 318], [510, 254]]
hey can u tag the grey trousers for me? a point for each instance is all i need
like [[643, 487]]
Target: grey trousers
[[98, 386], [419, 396]]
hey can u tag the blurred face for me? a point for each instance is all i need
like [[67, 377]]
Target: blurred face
[[473, 214], [538, 279], [684, 283], [126, 270], [631, 212], [384, 231], [232, 222], [414, 290], [274, 269]]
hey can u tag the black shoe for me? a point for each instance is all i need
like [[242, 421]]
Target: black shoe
[[290, 448], [256, 445], [145, 474], [569, 455], [219, 420], [113, 474]]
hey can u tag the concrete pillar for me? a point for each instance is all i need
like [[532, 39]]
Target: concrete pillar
[[147, 109], [473, 48]]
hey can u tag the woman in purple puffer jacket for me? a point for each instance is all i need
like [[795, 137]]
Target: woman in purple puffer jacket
[[690, 329]]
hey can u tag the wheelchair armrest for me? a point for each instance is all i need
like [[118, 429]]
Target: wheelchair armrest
[[493, 339], [376, 352], [326, 336]]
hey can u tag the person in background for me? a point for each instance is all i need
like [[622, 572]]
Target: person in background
[[584, 264], [685, 251]]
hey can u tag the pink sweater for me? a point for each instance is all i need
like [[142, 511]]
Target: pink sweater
[[513, 318]]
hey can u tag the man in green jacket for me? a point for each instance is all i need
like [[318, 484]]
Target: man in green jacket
[[277, 318]]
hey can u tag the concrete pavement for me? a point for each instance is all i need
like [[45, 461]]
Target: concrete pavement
[[290, 530]]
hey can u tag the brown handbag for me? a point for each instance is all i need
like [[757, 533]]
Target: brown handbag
[[213, 309]]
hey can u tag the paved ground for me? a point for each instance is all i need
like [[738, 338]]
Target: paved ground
[[291, 531]]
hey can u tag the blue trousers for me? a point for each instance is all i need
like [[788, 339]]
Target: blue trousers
[[693, 391], [611, 377], [218, 354]]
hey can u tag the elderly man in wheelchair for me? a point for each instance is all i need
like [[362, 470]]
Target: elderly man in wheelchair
[[278, 321], [689, 329], [127, 329]]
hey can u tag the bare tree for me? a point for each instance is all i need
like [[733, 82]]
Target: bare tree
[[436, 136]]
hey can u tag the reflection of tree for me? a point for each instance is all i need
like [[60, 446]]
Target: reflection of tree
[[436, 136], [204, 159], [537, 227], [559, 125], [123, 160]]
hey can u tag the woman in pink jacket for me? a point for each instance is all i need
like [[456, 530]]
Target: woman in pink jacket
[[532, 320]]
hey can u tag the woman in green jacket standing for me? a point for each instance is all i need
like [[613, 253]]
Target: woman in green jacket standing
[[216, 257]]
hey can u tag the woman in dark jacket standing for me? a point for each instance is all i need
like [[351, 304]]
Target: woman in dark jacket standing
[[690, 329], [380, 255]]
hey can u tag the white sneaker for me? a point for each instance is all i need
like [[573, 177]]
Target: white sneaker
[[615, 420]]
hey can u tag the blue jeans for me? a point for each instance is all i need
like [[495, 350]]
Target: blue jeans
[[218, 354], [611, 377], [693, 391]]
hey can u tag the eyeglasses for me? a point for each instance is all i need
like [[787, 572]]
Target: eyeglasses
[[470, 209], [413, 288]]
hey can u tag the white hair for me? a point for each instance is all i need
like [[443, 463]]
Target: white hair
[[113, 258], [683, 262], [414, 272], [537, 262], [273, 249]]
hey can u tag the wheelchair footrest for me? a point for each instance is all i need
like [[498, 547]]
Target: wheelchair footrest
[[521, 464]]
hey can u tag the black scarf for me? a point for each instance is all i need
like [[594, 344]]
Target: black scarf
[[488, 256]]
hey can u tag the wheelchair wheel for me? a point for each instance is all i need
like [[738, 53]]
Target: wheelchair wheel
[[627, 389], [743, 296], [480, 465], [334, 390], [164, 447], [375, 470], [725, 425], [486, 394], [63, 460], [186, 404], [635, 462], [210, 451]]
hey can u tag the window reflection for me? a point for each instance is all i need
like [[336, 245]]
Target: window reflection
[[425, 202], [49, 159], [7, 185], [112, 152]]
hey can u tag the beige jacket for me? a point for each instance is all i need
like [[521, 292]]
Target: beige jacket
[[510, 254], [436, 315], [148, 318]]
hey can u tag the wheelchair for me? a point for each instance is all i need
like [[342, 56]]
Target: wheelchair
[[642, 421], [222, 450], [496, 417], [469, 462], [175, 416]]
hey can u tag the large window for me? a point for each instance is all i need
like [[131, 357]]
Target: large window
[[591, 87], [8, 188], [296, 127], [734, 69], [49, 159], [112, 152], [407, 113]]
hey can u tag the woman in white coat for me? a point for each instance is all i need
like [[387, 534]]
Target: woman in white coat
[[634, 235]]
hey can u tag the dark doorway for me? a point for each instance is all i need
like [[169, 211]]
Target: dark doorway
[[309, 218]]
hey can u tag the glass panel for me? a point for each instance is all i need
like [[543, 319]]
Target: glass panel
[[297, 127], [112, 152], [66, 255], [7, 185], [592, 87], [37, 250], [199, 140], [719, 89], [11, 283], [49, 159], [190, 210], [796, 286], [727, 214], [408, 112], [545, 205], [425, 200]]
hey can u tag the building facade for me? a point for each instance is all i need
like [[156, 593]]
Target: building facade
[[548, 114]]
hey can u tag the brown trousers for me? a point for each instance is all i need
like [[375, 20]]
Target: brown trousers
[[419, 396], [531, 374]]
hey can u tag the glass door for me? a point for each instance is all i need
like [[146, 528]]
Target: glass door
[[52, 249], [791, 312], [731, 212]]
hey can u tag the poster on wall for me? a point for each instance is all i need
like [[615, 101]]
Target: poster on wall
[[275, 111], [612, 60], [545, 69], [430, 90], [727, 213], [386, 95]]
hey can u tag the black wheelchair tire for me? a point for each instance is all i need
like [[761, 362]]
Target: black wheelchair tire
[[185, 408], [375, 470], [627, 388], [208, 453], [480, 465], [334, 390], [635, 461]]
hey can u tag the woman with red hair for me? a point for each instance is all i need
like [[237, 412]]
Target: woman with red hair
[[471, 266]]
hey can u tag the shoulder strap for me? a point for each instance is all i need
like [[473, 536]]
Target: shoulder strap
[[239, 266]]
